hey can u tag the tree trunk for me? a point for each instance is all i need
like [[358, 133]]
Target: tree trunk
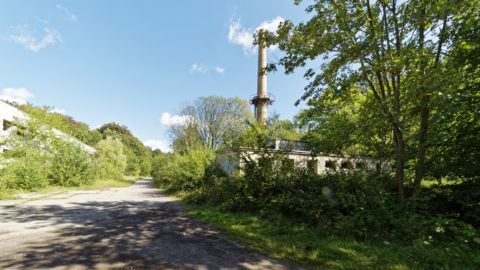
[[424, 105], [422, 147], [400, 160]]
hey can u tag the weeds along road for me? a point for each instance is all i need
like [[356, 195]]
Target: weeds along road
[[137, 227]]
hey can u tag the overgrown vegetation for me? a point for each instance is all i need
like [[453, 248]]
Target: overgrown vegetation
[[110, 158], [289, 239], [396, 77], [138, 155], [297, 215], [39, 156], [379, 94]]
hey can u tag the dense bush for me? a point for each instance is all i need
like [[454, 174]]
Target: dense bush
[[182, 172], [33, 164], [364, 205], [110, 159], [39, 157], [70, 165], [26, 173], [459, 198], [138, 155]]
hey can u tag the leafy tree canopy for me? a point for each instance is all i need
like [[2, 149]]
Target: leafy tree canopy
[[213, 122], [394, 52]]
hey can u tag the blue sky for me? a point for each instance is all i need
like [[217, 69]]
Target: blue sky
[[131, 62]]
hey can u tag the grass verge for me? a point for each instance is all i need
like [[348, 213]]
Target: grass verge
[[285, 239], [96, 185]]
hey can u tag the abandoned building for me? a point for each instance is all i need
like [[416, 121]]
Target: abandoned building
[[10, 115], [298, 155]]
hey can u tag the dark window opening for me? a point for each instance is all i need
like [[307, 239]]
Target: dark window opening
[[346, 165], [312, 166], [330, 164], [7, 124], [360, 165]]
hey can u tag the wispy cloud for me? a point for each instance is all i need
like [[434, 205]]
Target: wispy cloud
[[239, 35], [24, 36], [203, 68], [40, 20], [57, 110], [219, 69], [164, 146], [272, 25], [68, 15], [17, 95], [173, 120]]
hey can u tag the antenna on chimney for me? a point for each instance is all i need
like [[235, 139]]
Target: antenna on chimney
[[262, 99]]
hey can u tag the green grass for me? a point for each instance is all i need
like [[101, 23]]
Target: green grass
[[301, 244], [96, 185]]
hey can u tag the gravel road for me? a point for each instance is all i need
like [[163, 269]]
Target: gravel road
[[137, 227]]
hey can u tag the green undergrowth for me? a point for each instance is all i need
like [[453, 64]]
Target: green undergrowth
[[286, 239], [95, 185]]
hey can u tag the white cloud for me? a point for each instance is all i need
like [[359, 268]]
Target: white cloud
[[219, 69], [272, 25], [24, 36], [203, 68], [69, 15], [173, 120], [17, 95], [240, 35], [164, 146], [40, 20], [57, 110]]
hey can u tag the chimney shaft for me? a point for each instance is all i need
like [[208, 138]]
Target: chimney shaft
[[262, 96], [262, 78]]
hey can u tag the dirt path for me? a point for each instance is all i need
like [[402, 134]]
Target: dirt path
[[121, 228]]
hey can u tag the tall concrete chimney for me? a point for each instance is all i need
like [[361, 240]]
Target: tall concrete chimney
[[262, 99]]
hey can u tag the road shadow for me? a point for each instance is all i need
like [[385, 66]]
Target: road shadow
[[127, 235]]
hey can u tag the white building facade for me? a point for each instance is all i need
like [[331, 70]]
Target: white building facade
[[297, 154]]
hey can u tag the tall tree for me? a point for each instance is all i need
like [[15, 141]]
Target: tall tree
[[392, 50], [138, 155], [456, 116], [212, 122], [346, 125]]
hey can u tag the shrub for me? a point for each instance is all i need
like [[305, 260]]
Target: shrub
[[110, 159], [364, 205], [25, 173], [182, 172], [70, 165], [342, 203]]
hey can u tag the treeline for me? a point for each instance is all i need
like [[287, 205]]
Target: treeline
[[38, 155]]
